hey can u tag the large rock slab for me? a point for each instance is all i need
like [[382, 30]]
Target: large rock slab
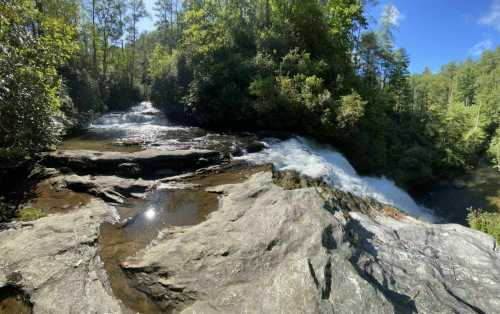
[[54, 260], [109, 188], [275, 250], [139, 164], [428, 268]]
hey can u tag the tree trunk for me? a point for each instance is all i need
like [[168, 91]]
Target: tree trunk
[[94, 40], [105, 55]]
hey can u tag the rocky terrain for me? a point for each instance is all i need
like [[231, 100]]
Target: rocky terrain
[[54, 260], [192, 231], [138, 164], [272, 250]]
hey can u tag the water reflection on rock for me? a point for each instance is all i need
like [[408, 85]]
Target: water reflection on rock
[[143, 219]]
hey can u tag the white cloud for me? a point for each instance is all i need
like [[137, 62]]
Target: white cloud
[[478, 49], [391, 15], [492, 18]]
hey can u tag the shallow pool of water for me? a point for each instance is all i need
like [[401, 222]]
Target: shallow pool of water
[[52, 199], [14, 301], [142, 220], [100, 141]]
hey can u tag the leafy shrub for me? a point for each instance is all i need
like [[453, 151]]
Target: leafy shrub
[[487, 222], [171, 77], [350, 110], [83, 89], [120, 95], [5, 211], [29, 84]]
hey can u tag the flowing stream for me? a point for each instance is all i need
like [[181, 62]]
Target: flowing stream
[[145, 127], [321, 161]]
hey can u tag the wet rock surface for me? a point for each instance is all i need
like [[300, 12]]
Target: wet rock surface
[[54, 261], [300, 250], [202, 235], [109, 188], [179, 201], [143, 163]]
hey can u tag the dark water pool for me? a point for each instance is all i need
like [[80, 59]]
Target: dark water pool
[[478, 189], [14, 301]]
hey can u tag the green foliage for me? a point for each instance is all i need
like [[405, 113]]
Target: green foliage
[[302, 67], [30, 214], [33, 46], [487, 222], [83, 89], [494, 149], [5, 211], [119, 95], [350, 110], [459, 108]]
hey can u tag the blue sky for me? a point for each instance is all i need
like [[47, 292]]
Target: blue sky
[[434, 32]]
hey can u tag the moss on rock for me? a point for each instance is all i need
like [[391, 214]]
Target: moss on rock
[[31, 213]]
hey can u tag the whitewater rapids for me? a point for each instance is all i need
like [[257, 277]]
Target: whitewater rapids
[[316, 161]]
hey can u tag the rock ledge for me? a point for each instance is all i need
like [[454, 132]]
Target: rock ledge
[[271, 250]]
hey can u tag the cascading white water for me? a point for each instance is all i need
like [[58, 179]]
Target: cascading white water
[[143, 124], [146, 124], [142, 114], [148, 127], [317, 161]]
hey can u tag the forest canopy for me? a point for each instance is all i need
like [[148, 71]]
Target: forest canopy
[[309, 67], [314, 68]]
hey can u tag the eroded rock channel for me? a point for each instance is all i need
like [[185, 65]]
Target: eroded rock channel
[[177, 226]]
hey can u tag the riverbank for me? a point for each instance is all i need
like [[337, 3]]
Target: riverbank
[[190, 241], [218, 221], [478, 189]]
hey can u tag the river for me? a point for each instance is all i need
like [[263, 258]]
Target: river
[[142, 218], [144, 126]]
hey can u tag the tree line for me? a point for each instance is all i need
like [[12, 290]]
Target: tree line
[[62, 63], [311, 67], [314, 68]]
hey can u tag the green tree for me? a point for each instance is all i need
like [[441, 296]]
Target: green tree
[[33, 45], [108, 14], [137, 12]]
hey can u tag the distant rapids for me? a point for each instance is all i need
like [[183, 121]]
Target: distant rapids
[[318, 161]]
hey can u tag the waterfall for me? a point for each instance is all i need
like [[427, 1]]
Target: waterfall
[[142, 114], [323, 162]]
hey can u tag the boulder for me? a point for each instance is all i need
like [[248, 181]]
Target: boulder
[[109, 188], [129, 169], [255, 147], [307, 249], [54, 260], [144, 163]]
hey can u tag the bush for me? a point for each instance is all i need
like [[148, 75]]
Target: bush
[[6, 212], [83, 89], [487, 222]]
